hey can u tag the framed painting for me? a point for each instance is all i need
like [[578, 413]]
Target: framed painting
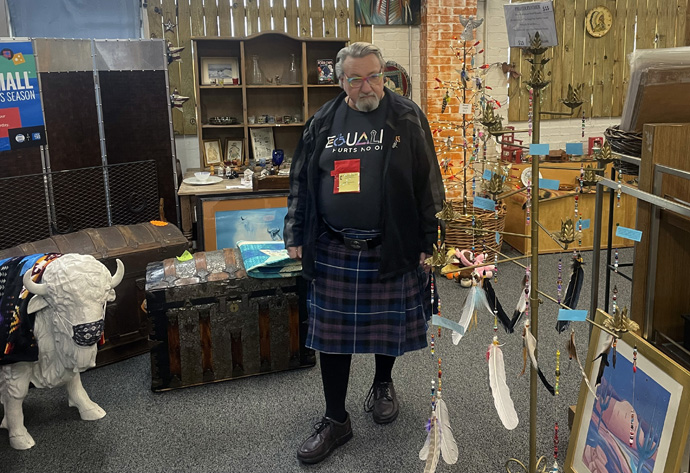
[[233, 152], [220, 71], [212, 153], [397, 79], [387, 12], [229, 219], [262, 143], [639, 420]]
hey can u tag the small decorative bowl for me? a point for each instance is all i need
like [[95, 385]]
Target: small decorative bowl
[[202, 176]]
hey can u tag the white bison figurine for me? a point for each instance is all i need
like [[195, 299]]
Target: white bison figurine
[[69, 306]]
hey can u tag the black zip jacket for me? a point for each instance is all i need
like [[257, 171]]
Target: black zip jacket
[[412, 187]]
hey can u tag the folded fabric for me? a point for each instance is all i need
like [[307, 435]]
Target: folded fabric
[[268, 259]]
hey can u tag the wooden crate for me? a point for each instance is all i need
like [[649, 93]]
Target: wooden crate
[[211, 322]]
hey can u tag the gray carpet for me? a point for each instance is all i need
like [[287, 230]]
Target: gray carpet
[[255, 425]]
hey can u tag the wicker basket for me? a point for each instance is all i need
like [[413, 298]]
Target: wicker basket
[[458, 237], [627, 143]]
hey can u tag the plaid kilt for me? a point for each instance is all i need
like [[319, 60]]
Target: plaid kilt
[[352, 311]]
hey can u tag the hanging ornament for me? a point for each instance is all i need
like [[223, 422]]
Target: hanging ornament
[[528, 204], [615, 261], [579, 231], [583, 123], [529, 114], [444, 104], [632, 429], [635, 359], [555, 447], [618, 190], [557, 387], [496, 267], [615, 298]]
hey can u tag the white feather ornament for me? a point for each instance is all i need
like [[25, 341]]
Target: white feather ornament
[[434, 447], [476, 299], [497, 381], [449, 447]]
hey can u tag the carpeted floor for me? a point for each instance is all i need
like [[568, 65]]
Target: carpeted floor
[[254, 425]]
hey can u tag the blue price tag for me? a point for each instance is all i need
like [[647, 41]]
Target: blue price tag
[[485, 204], [574, 149], [572, 315], [629, 233], [552, 184], [444, 322], [487, 175], [585, 224], [539, 149], [498, 238]]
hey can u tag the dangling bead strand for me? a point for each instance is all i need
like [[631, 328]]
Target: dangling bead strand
[[432, 345], [558, 372], [554, 469], [635, 359], [615, 261], [528, 204]]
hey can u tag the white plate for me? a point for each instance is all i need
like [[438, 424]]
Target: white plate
[[527, 175], [196, 182]]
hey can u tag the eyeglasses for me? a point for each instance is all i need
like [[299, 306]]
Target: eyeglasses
[[357, 82]]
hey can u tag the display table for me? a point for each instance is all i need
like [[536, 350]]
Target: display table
[[227, 211], [555, 206], [188, 193]]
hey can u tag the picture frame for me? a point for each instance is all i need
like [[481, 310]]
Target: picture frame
[[657, 393], [326, 71], [212, 152], [234, 152], [220, 71], [228, 219], [396, 78], [263, 143]]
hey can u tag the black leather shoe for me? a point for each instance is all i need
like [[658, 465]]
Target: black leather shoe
[[383, 402], [328, 436]]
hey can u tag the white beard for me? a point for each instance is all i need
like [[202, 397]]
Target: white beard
[[368, 103]]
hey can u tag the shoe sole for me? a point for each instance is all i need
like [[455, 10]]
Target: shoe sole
[[341, 441], [386, 420]]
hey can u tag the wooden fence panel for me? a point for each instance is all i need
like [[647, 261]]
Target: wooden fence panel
[[265, 15], [316, 18], [329, 18], [211, 17], [224, 18], [304, 19], [252, 11], [155, 19], [196, 10], [292, 18], [184, 35], [238, 15], [600, 63], [279, 15], [342, 16]]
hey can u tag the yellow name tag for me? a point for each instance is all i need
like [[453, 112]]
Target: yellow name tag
[[348, 182]]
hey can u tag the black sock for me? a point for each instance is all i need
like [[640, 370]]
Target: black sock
[[384, 368], [335, 374]]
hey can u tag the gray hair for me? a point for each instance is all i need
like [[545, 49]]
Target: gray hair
[[356, 50]]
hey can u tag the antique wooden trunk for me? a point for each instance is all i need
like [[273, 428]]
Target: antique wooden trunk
[[126, 325], [211, 322]]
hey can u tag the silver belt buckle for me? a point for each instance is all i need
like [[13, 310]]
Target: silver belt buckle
[[355, 243]]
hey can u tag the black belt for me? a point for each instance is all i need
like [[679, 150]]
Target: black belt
[[356, 244]]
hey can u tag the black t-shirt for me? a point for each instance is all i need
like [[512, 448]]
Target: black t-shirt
[[351, 169]]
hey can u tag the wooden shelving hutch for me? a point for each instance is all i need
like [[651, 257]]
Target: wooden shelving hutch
[[244, 100]]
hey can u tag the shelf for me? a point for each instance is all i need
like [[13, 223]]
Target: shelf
[[238, 86], [274, 125], [285, 86], [247, 102]]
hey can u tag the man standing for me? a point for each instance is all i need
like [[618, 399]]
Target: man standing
[[365, 186]]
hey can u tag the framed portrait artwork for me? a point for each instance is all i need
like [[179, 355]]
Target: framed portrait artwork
[[213, 154], [262, 143], [395, 77], [220, 71], [228, 219], [640, 417], [233, 152]]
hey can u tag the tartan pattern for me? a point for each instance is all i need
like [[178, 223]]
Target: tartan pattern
[[352, 311]]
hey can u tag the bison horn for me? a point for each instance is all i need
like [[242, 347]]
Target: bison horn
[[33, 287], [119, 274]]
